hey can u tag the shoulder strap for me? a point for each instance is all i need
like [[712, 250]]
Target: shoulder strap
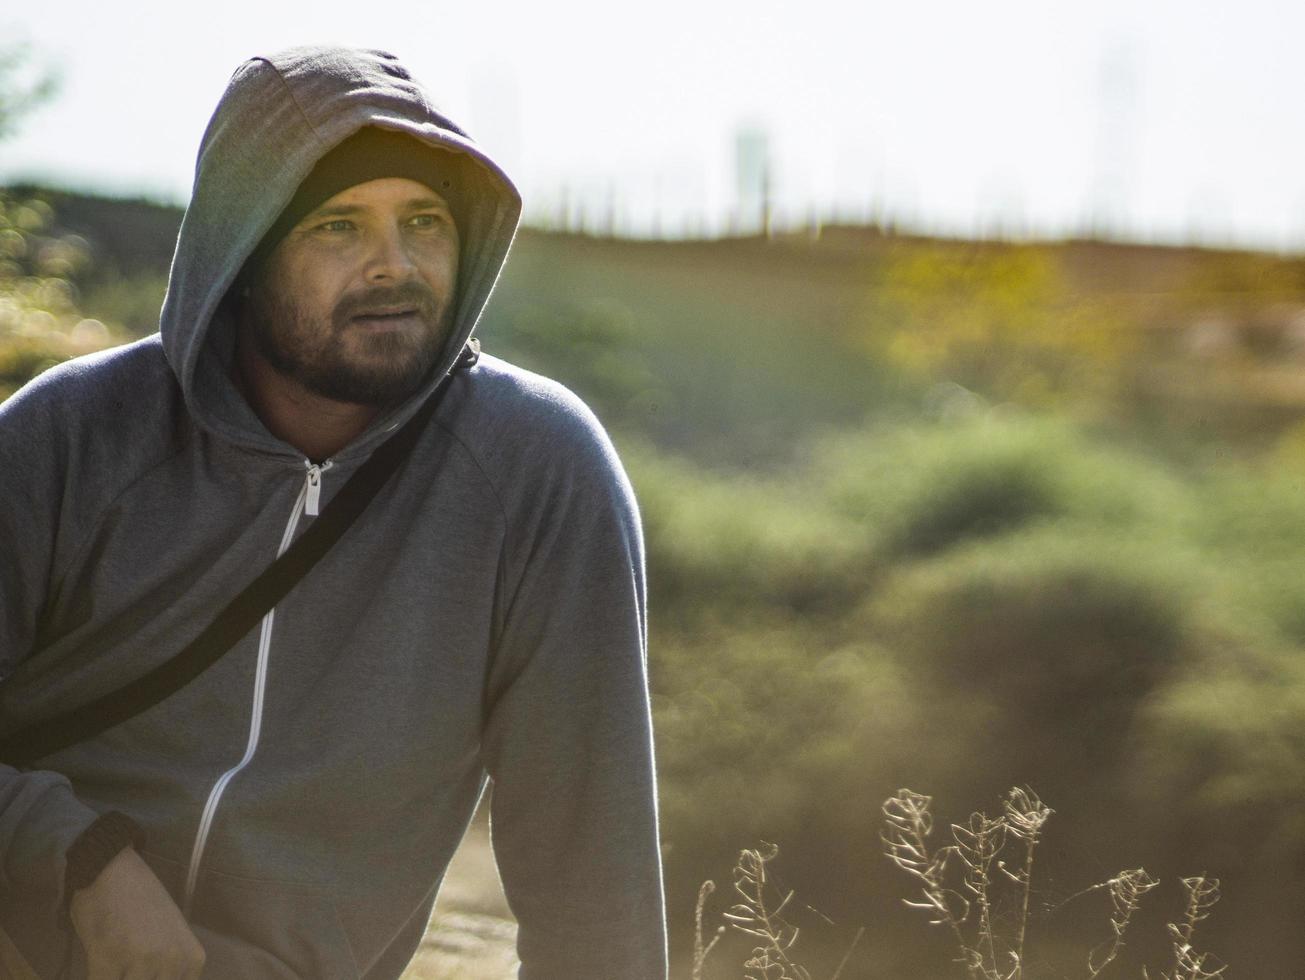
[[244, 611]]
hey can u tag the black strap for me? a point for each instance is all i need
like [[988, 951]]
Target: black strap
[[243, 612]]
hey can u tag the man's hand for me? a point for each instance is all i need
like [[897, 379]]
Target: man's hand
[[130, 927]]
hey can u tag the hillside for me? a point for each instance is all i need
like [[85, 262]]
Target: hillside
[[948, 515], [736, 349]]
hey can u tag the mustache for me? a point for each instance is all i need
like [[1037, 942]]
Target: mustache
[[413, 293]]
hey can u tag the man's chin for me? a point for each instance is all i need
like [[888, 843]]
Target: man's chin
[[376, 388], [374, 368]]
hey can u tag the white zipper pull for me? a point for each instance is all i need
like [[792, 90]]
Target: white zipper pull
[[313, 489]]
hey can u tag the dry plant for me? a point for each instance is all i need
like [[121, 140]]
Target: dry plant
[[700, 952], [755, 917], [1126, 891], [908, 822], [1025, 816], [976, 846], [1202, 893]]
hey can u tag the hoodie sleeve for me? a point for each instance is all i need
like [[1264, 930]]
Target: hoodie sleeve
[[39, 815], [568, 741]]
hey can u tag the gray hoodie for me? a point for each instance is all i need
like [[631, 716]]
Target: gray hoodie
[[302, 798]]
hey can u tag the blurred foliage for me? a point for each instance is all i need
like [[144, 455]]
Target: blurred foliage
[[916, 515], [593, 343], [41, 322], [979, 471], [134, 303], [132, 239], [1100, 631], [1251, 281], [675, 313], [729, 542], [1000, 319]]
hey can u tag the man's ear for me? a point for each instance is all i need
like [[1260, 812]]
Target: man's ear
[[236, 296], [244, 282]]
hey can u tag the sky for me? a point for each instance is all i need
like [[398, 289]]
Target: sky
[[1159, 121]]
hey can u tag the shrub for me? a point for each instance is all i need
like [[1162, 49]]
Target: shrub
[[922, 488], [1043, 620], [728, 541], [756, 728]]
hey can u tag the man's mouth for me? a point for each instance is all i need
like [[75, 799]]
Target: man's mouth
[[383, 318]]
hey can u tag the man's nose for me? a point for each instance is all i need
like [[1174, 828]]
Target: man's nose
[[388, 257]]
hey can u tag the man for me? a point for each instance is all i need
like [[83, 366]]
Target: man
[[290, 812]]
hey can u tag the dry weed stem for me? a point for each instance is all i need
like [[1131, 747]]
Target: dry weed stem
[[754, 916], [700, 952], [908, 824], [1126, 891], [1202, 893], [1025, 816]]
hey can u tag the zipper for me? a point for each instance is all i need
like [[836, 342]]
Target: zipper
[[313, 488], [305, 504]]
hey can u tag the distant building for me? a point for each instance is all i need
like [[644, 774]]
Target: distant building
[[752, 180]]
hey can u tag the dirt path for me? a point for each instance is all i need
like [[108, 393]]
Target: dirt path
[[472, 935]]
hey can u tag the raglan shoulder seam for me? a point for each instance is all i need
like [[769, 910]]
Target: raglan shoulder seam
[[88, 536]]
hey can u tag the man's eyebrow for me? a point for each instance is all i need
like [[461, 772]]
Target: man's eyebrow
[[421, 203]]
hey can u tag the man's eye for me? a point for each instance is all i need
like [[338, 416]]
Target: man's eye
[[339, 224], [428, 220]]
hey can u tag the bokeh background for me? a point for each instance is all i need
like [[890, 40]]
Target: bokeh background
[[957, 355]]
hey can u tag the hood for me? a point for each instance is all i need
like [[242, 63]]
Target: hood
[[279, 115]]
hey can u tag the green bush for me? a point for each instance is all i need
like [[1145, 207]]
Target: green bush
[[1054, 624], [922, 488], [721, 542], [767, 730]]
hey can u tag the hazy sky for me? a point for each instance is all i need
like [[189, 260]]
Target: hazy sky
[[1170, 119]]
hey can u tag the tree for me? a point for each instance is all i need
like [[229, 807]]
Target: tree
[[24, 85]]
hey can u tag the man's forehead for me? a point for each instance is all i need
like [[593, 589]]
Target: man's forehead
[[383, 193]]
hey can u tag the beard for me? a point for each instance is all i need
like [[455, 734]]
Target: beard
[[333, 358]]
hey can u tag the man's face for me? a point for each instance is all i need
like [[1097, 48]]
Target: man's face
[[356, 302]]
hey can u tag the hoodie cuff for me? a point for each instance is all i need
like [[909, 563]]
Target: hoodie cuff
[[100, 843]]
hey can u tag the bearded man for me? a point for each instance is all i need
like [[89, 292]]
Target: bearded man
[[288, 808]]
